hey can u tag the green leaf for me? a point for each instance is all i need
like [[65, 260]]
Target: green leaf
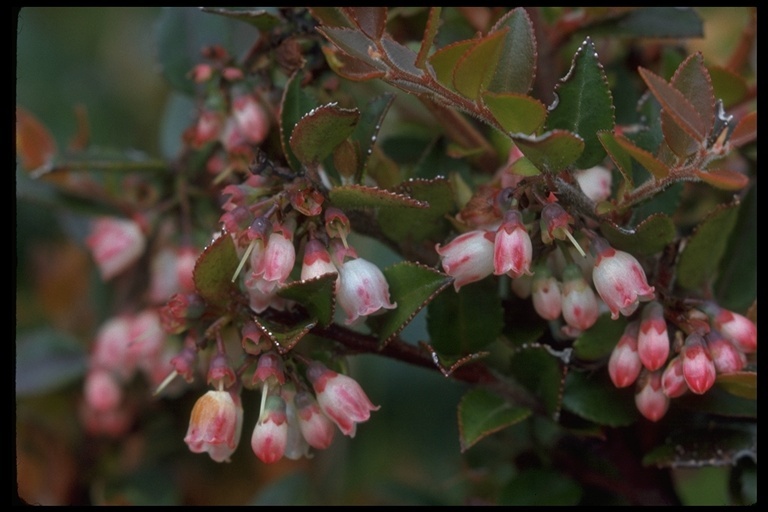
[[552, 151], [717, 401], [536, 487], [736, 286], [412, 286], [47, 360], [294, 105], [584, 104], [214, 270], [349, 67], [477, 66], [517, 64], [367, 129], [718, 446], [728, 86], [665, 22], [444, 61], [649, 237], [425, 225], [595, 398], [317, 295], [320, 130], [539, 371], [331, 16], [360, 196], [677, 106], [283, 336], [263, 18], [524, 167], [430, 31], [516, 113], [622, 151], [701, 255], [481, 413], [402, 57], [371, 20], [598, 341], [355, 44], [743, 384], [466, 321]]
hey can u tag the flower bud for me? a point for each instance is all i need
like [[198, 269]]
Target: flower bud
[[624, 364], [698, 367], [545, 293], [468, 257], [649, 396], [579, 303], [315, 426], [653, 339], [725, 355], [555, 223], [269, 370], [270, 434], [737, 328], [595, 182], [116, 244], [672, 380]]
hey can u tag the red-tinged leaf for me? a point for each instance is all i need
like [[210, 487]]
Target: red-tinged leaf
[[676, 105], [430, 31], [402, 57], [516, 68], [728, 86], [745, 131], [618, 147], [356, 44], [552, 151], [516, 113], [361, 196], [481, 413], [331, 17], [371, 20], [477, 66], [678, 141], [692, 79], [284, 337], [444, 61], [35, 145], [319, 131], [214, 270], [350, 67], [724, 179]]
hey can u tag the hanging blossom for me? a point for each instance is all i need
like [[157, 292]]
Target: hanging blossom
[[619, 279], [116, 244], [215, 424], [468, 258]]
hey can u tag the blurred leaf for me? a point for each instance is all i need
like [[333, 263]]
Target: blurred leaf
[[289, 489], [702, 253], [214, 270], [743, 384], [736, 286], [677, 106], [584, 104], [622, 151], [349, 67], [424, 226], [724, 179], [536, 487], [745, 131], [657, 21], [728, 86], [371, 20], [517, 64], [466, 321], [355, 44], [367, 129], [284, 336], [649, 237], [263, 18], [412, 286], [295, 103], [481, 413], [698, 448], [47, 360], [719, 402], [524, 167], [35, 145], [516, 113], [551, 151], [595, 398], [475, 69], [147, 485], [330, 16], [598, 341], [360, 196], [444, 61], [319, 131], [539, 371], [317, 295]]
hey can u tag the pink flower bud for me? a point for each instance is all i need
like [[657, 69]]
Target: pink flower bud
[[270, 369], [624, 364], [512, 248], [468, 257], [725, 355], [649, 396], [270, 434], [340, 397], [186, 361], [545, 293], [251, 340], [363, 289], [251, 118], [208, 127], [179, 310], [579, 303], [110, 350], [619, 279], [698, 367], [653, 340], [737, 328], [102, 391], [215, 424], [116, 244], [595, 182], [672, 380], [315, 426], [277, 263]]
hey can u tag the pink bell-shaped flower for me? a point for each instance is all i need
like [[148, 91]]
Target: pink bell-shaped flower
[[650, 399], [251, 118], [340, 397], [672, 380], [270, 435], [579, 302], [624, 364], [653, 339], [468, 257], [316, 261], [546, 294], [595, 182], [116, 244], [619, 279], [315, 426], [362, 289], [726, 356], [215, 424], [512, 248], [698, 367]]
